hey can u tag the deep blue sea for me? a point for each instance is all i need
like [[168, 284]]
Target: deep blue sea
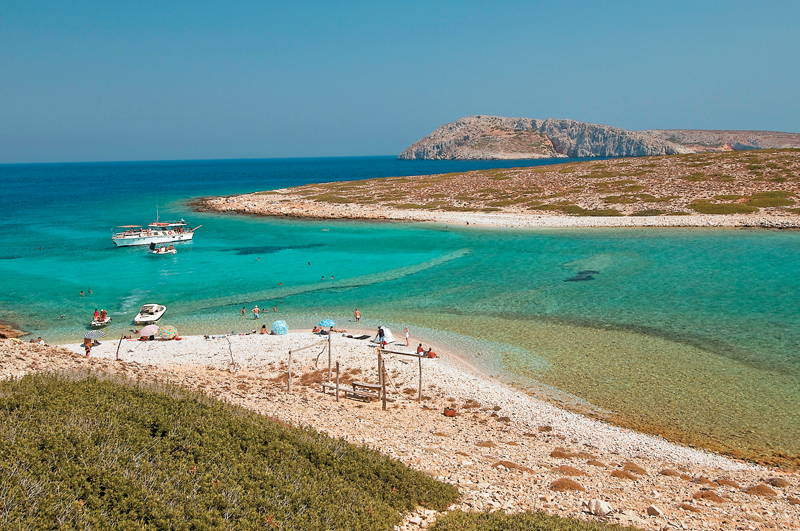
[[687, 332]]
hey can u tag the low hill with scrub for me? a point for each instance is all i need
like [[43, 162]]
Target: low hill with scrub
[[764, 182]]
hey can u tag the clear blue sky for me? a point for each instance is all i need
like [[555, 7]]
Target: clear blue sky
[[89, 81]]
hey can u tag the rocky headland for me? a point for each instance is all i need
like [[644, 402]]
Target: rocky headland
[[496, 138]]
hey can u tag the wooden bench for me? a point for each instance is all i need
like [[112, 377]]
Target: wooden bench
[[361, 390]]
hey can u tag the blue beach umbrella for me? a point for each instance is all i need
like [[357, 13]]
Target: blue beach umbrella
[[280, 328], [326, 323]]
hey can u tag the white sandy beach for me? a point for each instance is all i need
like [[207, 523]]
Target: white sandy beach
[[503, 450]]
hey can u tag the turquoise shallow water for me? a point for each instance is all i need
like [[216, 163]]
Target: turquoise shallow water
[[690, 333]]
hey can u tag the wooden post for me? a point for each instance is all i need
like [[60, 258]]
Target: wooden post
[[329, 357], [380, 375], [337, 381], [419, 396], [120, 344], [289, 378], [383, 383]]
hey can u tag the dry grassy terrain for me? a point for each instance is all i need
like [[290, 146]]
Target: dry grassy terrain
[[765, 182]]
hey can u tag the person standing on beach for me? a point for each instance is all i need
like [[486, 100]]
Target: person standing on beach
[[255, 312], [406, 336], [87, 346], [357, 315]]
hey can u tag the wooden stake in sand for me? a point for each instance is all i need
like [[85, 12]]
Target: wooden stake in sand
[[289, 376], [413, 355]]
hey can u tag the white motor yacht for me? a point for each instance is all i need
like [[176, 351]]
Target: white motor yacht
[[156, 232]]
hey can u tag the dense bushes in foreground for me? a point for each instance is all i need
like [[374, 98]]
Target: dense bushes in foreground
[[500, 521], [79, 452]]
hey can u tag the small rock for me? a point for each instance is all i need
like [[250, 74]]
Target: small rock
[[416, 520], [654, 511], [598, 507]]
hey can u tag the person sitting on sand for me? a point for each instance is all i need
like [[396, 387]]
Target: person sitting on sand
[[420, 350], [263, 329], [336, 330], [430, 353], [316, 330]]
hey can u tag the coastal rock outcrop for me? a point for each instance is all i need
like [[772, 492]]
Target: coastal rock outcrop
[[499, 138]]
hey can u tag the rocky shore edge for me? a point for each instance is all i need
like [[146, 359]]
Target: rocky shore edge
[[282, 203], [503, 449]]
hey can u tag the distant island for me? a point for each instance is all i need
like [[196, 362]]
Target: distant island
[[499, 138]]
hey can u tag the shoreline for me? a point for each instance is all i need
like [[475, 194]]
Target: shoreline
[[503, 450], [294, 206]]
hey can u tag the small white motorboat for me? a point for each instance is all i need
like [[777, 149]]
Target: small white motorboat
[[100, 322], [150, 313], [162, 250]]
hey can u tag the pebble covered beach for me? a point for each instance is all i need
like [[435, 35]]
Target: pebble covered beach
[[503, 449]]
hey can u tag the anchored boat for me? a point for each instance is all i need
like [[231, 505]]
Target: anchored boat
[[150, 313], [156, 232]]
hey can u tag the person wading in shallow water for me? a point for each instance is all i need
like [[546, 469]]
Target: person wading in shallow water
[[357, 315]]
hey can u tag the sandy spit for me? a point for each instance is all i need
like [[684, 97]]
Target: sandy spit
[[290, 205]]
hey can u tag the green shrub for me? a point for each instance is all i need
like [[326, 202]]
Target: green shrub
[[649, 212], [770, 199], [730, 197], [705, 207], [528, 521], [98, 454]]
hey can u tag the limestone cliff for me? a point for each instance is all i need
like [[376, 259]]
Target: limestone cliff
[[495, 137], [698, 140]]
